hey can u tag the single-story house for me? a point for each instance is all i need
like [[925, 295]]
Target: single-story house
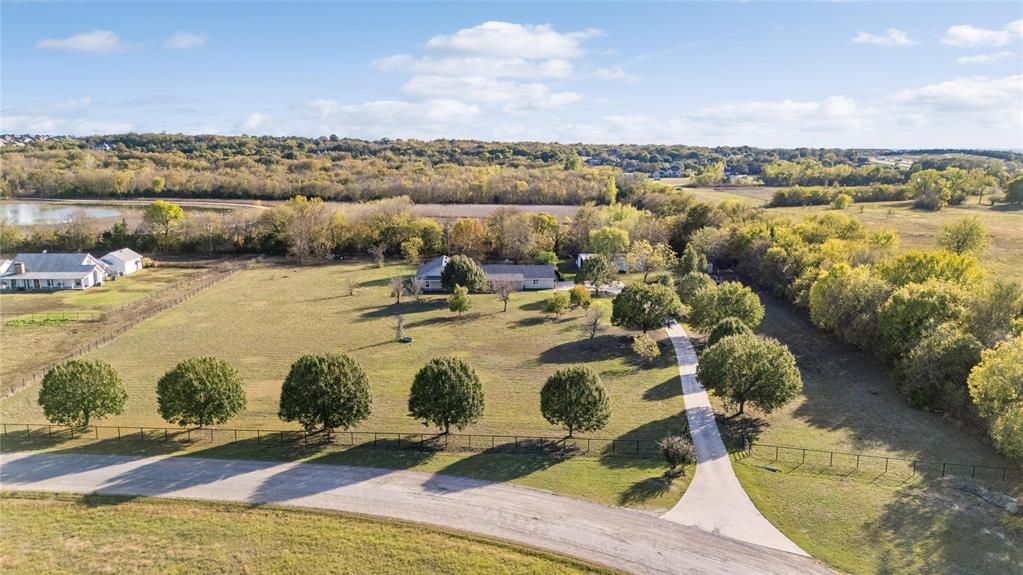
[[48, 271], [618, 260], [123, 262], [529, 277]]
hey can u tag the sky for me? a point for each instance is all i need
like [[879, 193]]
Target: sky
[[769, 74]]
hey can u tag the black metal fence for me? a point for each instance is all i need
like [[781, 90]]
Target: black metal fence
[[534, 444], [882, 464]]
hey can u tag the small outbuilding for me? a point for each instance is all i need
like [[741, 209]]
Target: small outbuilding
[[123, 262], [617, 261]]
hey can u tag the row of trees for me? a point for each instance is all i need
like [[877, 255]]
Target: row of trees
[[320, 393]]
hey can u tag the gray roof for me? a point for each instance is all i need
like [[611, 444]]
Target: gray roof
[[123, 254], [528, 271], [56, 263], [433, 267], [48, 275]]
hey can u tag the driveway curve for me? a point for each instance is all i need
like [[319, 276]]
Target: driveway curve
[[623, 539], [715, 500]]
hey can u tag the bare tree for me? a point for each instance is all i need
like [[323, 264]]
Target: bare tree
[[415, 289], [594, 323], [398, 286], [503, 290], [399, 327], [377, 252], [349, 289]]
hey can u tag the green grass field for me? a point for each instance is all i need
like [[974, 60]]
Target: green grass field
[[870, 521], [919, 229], [102, 534]]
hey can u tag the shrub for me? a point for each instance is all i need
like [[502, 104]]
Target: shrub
[[920, 266], [459, 300], [446, 392], [645, 307], [556, 304], [76, 391], [933, 374], [996, 386], [727, 327], [200, 391], [847, 302], [992, 309], [964, 236], [1014, 192], [913, 309], [546, 258], [841, 202], [746, 368], [327, 391], [412, 250], [575, 399], [579, 296], [463, 271], [678, 451], [691, 284], [730, 299], [646, 347]]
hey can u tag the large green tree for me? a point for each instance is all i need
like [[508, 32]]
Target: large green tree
[[574, 398], [76, 391], [645, 307], [446, 392], [912, 310], [691, 284], [730, 299], [933, 374], [922, 265], [996, 385], [599, 271], [609, 241], [747, 368], [464, 271], [200, 391], [847, 301], [326, 392], [163, 214]]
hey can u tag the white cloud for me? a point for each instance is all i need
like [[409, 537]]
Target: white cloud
[[891, 37], [96, 42], [513, 96], [185, 41], [477, 66], [978, 99], [255, 121], [833, 113], [985, 58], [968, 36], [509, 40], [614, 73], [24, 124]]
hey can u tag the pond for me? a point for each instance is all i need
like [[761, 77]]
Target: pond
[[29, 213]]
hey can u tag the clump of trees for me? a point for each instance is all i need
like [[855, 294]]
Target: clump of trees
[[598, 271], [446, 393], [730, 299], [727, 327], [749, 369], [75, 392], [200, 391], [325, 392], [996, 386], [574, 398], [464, 271]]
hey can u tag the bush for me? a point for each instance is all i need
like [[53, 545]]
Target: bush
[[933, 374], [579, 296], [645, 307], [327, 391], [646, 347], [841, 202], [963, 236], [920, 266], [459, 300], [1014, 192], [200, 391], [76, 391], [546, 258], [678, 451], [847, 302], [691, 284], [730, 299], [412, 250], [913, 309], [575, 399], [463, 271], [446, 392], [727, 327], [557, 303], [746, 368], [996, 386]]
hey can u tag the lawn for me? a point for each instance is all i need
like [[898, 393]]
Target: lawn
[[102, 534], [754, 196], [870, 521], [919, 229]]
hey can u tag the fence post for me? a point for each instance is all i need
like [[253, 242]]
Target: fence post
[[886, 465], [166, 437], [257, 437], [857, 461], [804, 458], [914, 468], [974, 473], [831, 462], [943, 469]]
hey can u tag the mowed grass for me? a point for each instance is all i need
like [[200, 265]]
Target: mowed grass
[[919, 229], [111, 294], [264, 318], [103, 534], [870, 521]]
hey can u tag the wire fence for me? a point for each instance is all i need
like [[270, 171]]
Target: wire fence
[[809, 458], [56, 316], [221, 274], [34, 433]]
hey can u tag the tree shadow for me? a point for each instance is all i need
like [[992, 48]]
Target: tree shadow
[[600, 348], [668, 389], [538, 305], [644, 490], [491, 465]]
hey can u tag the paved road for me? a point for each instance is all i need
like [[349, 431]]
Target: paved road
[[623, 539], [715, 501]]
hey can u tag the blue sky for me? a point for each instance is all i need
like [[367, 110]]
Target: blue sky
[[756, 73]]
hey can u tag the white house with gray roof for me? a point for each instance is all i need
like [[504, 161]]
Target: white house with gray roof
[[123, 262], [47, 272], [526, 277]]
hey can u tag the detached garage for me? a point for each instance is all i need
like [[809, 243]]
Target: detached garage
[[123, 262]]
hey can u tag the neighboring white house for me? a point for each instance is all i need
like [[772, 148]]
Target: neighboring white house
[[123, 262], [618, 260], [528, 277], [45, 271]]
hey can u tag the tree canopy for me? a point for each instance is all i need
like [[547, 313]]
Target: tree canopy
[[464, 271], [75, 392], [730, 299], [996, 385], [200, 391], [446, 392], [574, 398], [747, 368], [645, 307], [326, 391]]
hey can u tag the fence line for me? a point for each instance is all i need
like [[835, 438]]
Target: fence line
[[218, 276], [550, 445], [916, 466], [54, 315]]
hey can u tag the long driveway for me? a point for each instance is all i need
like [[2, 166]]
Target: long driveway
[[715, 501], [628, 540]]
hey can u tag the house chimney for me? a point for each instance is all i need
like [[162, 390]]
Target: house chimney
[[19, 267]]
